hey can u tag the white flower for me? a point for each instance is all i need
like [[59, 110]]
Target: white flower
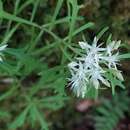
[[89, 60], [93, 52], [2, 48], [73, 67], [78, 80], [112, 46], [90, 68], [112, 61], [96, 75], [94, 48]]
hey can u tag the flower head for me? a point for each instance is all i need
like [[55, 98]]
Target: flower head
[[91, 67], [78, 80]]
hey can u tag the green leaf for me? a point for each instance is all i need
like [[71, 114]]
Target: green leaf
[[9, 69], [1, 6], [59, 85], [124, 56], [8, 93], [91, 93], [114, 81], [8, 36], [50, 75], [100, 34], [118, 74], [109, 39], [4, 114], [58, 6], [29, 64], [82, 28], [12, 17], [53, 102], [34, 10], [19, 121], [40, 118], [32, 116], [74, 8], [24, 5], [26, 61]]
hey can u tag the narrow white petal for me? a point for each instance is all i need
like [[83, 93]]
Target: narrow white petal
[[84, 45], [95, 41], [117, 44], [72, 64], [95, 83], [3, 47], [1, 59]]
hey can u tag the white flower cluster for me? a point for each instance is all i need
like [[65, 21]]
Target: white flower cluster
[[2, 48], [90, 67]]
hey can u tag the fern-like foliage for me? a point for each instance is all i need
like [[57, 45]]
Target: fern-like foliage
[[111, 111]]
